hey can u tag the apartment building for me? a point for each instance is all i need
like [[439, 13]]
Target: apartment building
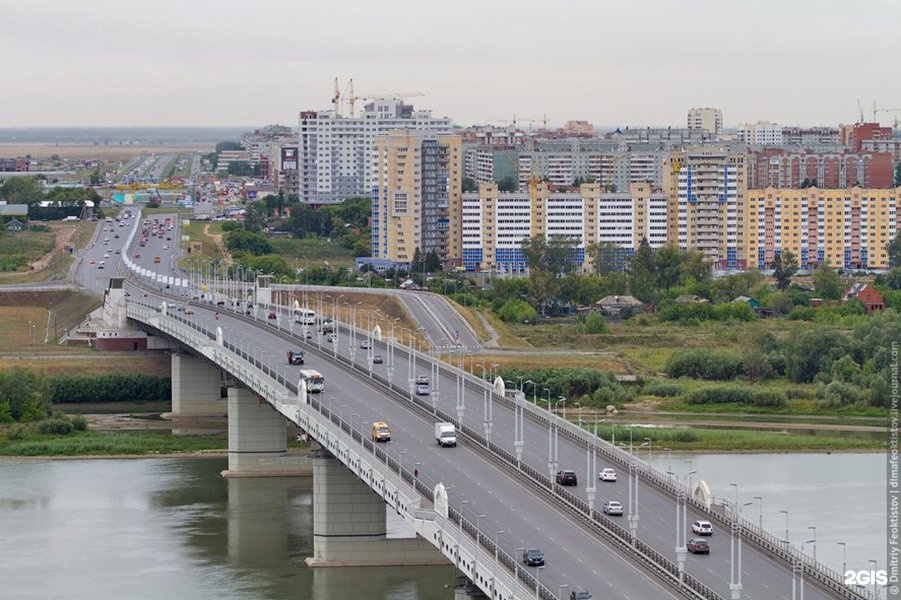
[[846, 228], [838, 168], [495, 223], [415, 187], [336, 151], [706, 188], [761, 133], [710, 119]]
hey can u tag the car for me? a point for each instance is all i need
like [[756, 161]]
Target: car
[[117, 252], [377, 359], [100, 266], [422, 379], [93, 262], [106, 255], [168, 239], [702, 528], [567, 477], [365, 345], [102, 262], [422, 389], [309, 334], [272, 315], [116, 236], [698, 546], [137, 256], [166, 247], [607, 474], [580, 595], [189, 310], [533, 557], [332, 337], [612, 507]]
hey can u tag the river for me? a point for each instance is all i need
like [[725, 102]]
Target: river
[[153, 528]]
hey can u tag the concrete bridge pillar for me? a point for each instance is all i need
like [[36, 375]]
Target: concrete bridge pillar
[[258, 439], [196, 388], [349, 526]]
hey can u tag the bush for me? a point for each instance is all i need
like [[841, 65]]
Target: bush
[[664, 390], [704, 364], [802, 313], [734, 394], [55, 426], [79, 423], [112, 387], [517, 311], [594, 323]]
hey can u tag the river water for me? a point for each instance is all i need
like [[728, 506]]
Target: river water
[[173, 528]]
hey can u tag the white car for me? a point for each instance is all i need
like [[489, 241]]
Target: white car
[[607, 475], [702, 528], [612, 507]]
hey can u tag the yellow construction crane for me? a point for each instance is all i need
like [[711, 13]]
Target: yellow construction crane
[[352, 97]]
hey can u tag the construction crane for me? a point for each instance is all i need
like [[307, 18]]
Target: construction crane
[[516, 120], [860, 108], [895, 111], [352, 97]]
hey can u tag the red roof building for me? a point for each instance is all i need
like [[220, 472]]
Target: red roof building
[[871, 299]]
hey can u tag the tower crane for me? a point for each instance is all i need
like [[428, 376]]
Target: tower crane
[[352, 97], [895, 111], [860, 108]]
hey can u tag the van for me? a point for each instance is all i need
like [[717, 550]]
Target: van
[[380, 432]]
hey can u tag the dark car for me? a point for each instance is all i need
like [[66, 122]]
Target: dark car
[[377, 359], [272, 315], [567, 477], [698, 546], [580, 595], [533, 557]]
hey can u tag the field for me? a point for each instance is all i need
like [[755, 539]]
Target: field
[[33, 321]]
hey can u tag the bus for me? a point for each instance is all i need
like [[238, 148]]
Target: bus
[[314, 380], [304, 316]]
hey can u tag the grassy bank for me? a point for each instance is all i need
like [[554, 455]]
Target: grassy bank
[[93, 443], [731, 440]]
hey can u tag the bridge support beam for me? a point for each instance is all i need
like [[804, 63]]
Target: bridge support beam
[[349, 524], [258, 439], [196, 388]]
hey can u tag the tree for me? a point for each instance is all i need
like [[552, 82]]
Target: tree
[[470, 185], [784, 267], [827, 283], [507, 184], [241, 240], [667, 262], [96, 177], [609, 257], [255, 217], [898, 175], [894, 251], [432, 262], [641, 271], [22, 190], [416, 266]]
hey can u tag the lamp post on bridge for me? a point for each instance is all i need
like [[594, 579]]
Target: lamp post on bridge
[[735, 586]]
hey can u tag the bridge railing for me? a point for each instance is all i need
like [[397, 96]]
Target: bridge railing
[[651, 557]]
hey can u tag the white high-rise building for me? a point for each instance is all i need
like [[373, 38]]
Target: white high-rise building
[[336, 151], [710, 119], [761, 133]]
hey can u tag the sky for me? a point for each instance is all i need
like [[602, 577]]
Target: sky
[[611, 62]]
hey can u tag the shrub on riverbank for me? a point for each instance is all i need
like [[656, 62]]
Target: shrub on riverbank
[[733, 394], [111, 387]]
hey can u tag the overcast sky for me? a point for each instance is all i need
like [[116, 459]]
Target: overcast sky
[[612, 62]]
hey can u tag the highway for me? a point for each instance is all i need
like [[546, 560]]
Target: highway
[[576, 556]]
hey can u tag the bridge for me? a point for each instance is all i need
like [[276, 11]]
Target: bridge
[[475, 506]]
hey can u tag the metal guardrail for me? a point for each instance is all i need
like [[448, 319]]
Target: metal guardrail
[[598, 522]]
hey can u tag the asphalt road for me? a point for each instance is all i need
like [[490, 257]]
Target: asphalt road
[[575, 556]]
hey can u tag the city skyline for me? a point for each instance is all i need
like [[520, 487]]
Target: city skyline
[[103, 63]]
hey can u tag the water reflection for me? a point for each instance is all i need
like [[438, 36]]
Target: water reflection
[[155, 528]]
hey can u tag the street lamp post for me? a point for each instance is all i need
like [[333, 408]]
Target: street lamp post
[[844, 546], [875, 564], [760, 523], [785, 512], [735, 586], [814, 529]]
